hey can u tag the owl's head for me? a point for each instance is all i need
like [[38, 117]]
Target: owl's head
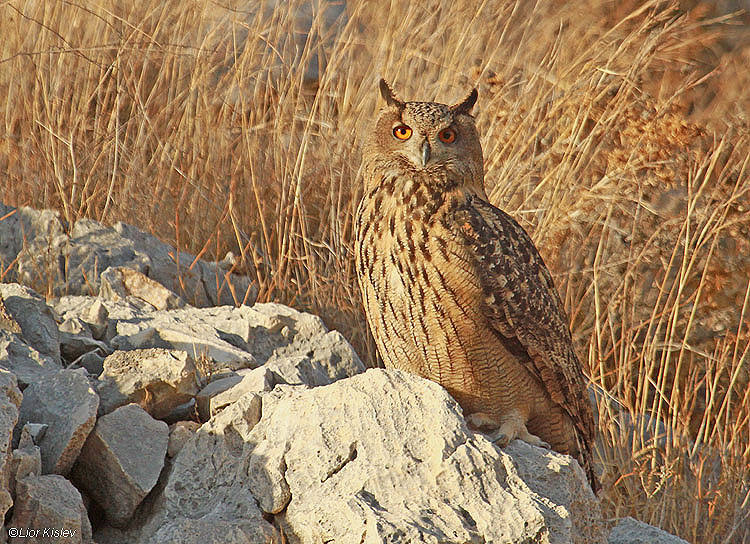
[[427, 136]]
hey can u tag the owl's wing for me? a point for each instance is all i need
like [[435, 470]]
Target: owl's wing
[[522, 305]]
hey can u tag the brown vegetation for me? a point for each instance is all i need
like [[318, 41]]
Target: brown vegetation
[[619, 139]]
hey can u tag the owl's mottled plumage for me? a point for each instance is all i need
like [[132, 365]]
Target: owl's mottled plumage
[[454, 289]]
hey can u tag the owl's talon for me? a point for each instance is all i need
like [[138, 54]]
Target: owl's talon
[[512, 427], [534, 440], [501, 439]]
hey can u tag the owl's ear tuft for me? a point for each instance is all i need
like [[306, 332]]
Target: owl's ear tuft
[[468, 103], [387, 93]]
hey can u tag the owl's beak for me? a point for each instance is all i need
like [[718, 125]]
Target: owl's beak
[[425, 152]]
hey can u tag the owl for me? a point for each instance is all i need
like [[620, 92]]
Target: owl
[[454, 289]]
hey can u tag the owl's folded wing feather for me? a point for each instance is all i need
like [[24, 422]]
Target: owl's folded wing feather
[[523, 306]]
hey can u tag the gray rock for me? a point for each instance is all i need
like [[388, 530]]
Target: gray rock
[[382, 457], [75, 346], [121, 461], [7, 322], [67, 404], [73, 263], [201, 332], [32, 434], [215, 387], [632, 531], [97, 319], [157, 379], [207, 530], [38, 327], [77, 340], [91, 361], [183, 412], [214, 530], [28, 365], [296, 346], [82, 307], [10, 401], [75, 325], [221, 393], [47, 504], [121, 282], [179, 434], [25, 461], [328, 359], [20, 226], [101, 316], [199, 283], [243, 524]]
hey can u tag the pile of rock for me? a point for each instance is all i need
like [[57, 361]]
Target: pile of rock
[[133, 417], [92, 426], [39, 249]]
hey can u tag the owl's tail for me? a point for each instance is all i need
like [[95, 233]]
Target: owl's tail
[[586, 459]]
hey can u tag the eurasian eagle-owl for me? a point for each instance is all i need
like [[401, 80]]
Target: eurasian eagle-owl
[[454, 289]]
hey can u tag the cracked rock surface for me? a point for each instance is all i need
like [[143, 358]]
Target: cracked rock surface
[[386, 457]]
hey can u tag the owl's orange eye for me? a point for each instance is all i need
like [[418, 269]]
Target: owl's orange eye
[[402, 132], [447, 135]]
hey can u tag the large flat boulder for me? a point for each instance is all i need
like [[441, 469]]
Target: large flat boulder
[[382, 457]]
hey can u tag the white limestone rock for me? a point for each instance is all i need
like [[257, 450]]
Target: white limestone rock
[[211, 332], [179, 434], [383, 456], [100, 315], [295, 345], [220, 393], [120, 282], [157, 379]]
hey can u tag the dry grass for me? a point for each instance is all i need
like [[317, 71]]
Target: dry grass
[[598, 138]]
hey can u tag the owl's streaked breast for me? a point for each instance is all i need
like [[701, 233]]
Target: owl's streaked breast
[[420, 292]]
